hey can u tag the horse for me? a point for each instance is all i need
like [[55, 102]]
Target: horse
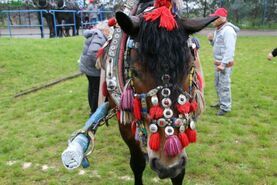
[[61, 17], [68, 17], [154, 83], [160, 102], [45, 5]]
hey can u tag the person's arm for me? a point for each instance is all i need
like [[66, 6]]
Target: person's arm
[[230, 46]]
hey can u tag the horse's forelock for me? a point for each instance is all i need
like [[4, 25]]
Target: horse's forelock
[[164, 52]]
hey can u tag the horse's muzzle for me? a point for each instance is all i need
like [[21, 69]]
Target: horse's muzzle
[[167, 172]]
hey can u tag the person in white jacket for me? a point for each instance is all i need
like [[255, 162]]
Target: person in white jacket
[[224, 44]]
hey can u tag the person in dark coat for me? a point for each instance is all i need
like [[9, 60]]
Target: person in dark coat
[[94, 41]]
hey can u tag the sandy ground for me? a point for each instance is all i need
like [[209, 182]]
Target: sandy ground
[[35, 32]]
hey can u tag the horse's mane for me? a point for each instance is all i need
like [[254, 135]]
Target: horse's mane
[[164, 52]]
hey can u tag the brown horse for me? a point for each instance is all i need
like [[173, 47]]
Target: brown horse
[[159, 120]]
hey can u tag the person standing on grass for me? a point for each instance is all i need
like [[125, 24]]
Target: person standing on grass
[[95, 38], [92, 7], [224, 43], [272, 54]]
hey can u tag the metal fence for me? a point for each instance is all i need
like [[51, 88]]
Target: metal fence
[[39, 22]]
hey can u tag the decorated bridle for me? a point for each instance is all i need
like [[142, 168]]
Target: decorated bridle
[[133, 106]]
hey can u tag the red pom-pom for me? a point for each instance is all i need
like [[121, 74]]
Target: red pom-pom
[[191, 135], [104, 89], [183, 108], [137, 108], [193, 106], [111, 22], [133, 128], [160, 3], [184, 139], [167, 20], [154, 141], [156, 112], [100, 52], [118, 115]]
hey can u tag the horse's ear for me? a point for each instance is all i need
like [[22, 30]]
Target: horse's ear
[[194, 25], [129, 24]]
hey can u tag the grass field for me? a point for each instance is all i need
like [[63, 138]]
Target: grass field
[[240, 148]]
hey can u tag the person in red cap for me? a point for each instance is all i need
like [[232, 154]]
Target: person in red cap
[[223, 41]]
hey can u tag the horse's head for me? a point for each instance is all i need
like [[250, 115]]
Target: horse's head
[[161, 62]]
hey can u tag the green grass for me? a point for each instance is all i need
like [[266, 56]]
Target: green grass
[[237, 149]]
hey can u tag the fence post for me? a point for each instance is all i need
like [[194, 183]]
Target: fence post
[[74, 19], [9, 24]]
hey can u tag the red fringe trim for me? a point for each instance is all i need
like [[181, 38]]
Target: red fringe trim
[[184, 139], [160, 3], [154, 141], [156, 112], [167, 20], [137, 108], [193, 106], [183, 108], [192, 135]]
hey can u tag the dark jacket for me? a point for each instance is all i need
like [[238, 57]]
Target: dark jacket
[[94, 40]]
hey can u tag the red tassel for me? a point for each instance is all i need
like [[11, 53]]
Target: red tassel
[[183, 108], [192, 134], [133, 127], [193, 106], [160, 3], [137, 108], [154, 141], [184, 139], [111, 22], [100, 52], [104, 89], [167, 20], [156, 112], [118, 115]]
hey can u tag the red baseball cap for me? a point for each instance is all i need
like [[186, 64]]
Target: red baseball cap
[[220, 12]]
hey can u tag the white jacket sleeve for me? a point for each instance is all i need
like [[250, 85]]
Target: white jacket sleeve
[[230, 38]]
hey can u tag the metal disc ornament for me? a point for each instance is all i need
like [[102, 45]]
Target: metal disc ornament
[[168, 113], [166, 92], [178, 122], [153, 128], [169, 130], [182, 99], [154, 100], [166, 102], [192, 124], [162, 122], [182, 129]]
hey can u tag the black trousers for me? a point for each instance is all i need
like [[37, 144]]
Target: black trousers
[[93, 91]]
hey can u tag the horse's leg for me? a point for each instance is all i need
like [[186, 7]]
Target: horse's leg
[[137, 161], [40, 23], [179, 179]]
